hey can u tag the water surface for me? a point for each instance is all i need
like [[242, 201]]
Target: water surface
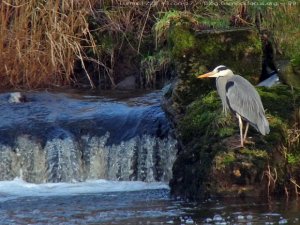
[[123, 202]]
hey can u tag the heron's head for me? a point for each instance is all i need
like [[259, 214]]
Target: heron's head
[[219, 71]]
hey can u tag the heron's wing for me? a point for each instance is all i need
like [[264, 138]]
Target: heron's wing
[[243, 99]]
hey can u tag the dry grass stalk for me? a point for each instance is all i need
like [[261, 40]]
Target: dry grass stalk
[[40, 41]]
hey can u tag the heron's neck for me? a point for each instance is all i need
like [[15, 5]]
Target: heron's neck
[[224, 78]]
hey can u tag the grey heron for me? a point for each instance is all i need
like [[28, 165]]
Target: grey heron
[[239, 96]]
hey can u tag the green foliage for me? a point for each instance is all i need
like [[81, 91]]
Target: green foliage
[[151, 65], [162, 26], [173, 18], [293, 159], [215, 22]]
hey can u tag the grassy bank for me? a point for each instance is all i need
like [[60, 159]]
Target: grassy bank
[[57, 43]]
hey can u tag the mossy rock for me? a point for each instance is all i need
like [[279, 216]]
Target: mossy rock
[[290, 73], [238, 172], [208, 164], [194, 52]]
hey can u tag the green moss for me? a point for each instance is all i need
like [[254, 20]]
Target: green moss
[[200, 116], [207, 134], [278, 130], [276, 97], [290, 73], [279, 102], [169, 19], [224, 159], [251, 46], [204, 116], [226, 131], [183, 40], [256, 153], [215, 22], [195, 53]]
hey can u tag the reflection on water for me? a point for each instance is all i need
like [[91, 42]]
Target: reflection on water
[[142, 207]]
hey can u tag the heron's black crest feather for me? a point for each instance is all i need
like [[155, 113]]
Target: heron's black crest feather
[[222, 68]]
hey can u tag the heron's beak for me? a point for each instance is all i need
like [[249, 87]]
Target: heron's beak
[[205, 75]]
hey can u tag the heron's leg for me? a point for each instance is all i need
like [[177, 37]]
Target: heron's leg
[[246, 131], [241, 129]]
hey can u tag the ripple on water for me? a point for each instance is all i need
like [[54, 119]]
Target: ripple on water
[[134, 207]]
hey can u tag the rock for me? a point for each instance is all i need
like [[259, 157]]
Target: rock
[[127, 84], [196, 52], [208, 164], [16, 97], [289, 74]]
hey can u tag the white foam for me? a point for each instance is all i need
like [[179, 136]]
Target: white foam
[[19, 188]]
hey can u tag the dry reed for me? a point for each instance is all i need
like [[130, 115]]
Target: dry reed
[[41, 40]]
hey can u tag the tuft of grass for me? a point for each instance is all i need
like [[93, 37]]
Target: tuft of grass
[[279, 17], [215, 22], [169, 18], [154, 65]]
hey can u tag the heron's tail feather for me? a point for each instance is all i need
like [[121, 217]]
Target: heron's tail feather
[[263, 125]]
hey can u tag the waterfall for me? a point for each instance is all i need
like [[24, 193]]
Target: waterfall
[[58, 138]]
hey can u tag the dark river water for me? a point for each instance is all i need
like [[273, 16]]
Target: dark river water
[[122, 202], [90, 145]]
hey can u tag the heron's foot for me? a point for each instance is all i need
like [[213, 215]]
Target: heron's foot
[[247, 141], [235, 144]]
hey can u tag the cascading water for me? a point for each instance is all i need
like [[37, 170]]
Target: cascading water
[[58, 138], [70, 137]]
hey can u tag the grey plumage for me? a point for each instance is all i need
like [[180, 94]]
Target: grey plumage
[[242, 98], [239, 96]]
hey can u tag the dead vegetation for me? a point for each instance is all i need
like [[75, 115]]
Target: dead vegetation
[[44, 43], [41, 40]]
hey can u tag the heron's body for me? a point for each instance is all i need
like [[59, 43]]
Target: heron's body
[[240, 97]]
